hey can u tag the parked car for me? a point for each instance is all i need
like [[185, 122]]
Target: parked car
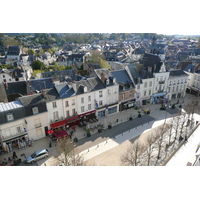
[[37, 155]]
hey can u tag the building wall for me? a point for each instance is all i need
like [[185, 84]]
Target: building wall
[[35, 125], [11, 129], [54, 107], [72, 104]]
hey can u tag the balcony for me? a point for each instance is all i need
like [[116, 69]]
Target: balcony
[[160, 91], [161, 82]]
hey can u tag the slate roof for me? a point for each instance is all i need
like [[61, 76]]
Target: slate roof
[[14, 107], [122, 76], [61, 75], [151, 60], [39, 84], [17, 87], [135, 73], [92, 84], [64, 90], [13, 50], [190, 68], [177, 73]]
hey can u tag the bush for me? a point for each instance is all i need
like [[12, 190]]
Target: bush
[[180, 106], [75, 140], [139, 115], [130, 118], [173, 106]]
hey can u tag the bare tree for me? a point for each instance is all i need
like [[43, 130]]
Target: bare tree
[[160, 140], [67, 153], [150, 140], [133, 154]]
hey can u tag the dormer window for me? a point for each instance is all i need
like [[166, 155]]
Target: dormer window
[[35, 110], [9, 117]]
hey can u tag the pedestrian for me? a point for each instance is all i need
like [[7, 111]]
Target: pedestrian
[[19, 146], [29, 143]]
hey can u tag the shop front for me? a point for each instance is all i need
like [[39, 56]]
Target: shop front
[[72, 121], [18, 141], [107, 111], [127, 104], [88, 117], [159, 98], [58, 124]]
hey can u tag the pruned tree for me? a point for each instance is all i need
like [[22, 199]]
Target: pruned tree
[[67, 153], [150, 144], [160, 140], [133, 154]]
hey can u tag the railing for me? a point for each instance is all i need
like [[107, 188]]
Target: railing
[[161, 82]]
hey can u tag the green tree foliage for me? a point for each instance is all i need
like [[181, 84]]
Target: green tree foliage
[[37, 65]]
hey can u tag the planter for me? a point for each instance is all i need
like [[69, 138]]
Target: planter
[[180, 106], [99, 130], [148, 112], [173, 106], [88, 134], [109, 126], [130, 118], [139, 115], [162, 108]]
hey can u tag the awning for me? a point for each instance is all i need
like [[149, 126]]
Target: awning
[[60, 134], [58, 124], [87, 113], [14, 137], [159, 94], [72, 119]]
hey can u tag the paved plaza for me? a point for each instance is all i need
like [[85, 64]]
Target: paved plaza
[[107, 143]]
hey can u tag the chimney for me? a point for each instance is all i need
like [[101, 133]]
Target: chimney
[[44, 94], [103, 77]]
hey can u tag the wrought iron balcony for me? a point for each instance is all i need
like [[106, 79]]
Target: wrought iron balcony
[[161, 82]]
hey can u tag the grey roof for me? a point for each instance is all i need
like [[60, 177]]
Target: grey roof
[[92, 84], [135, 73], [39, 84], [10, 105], [61, 75], [177, 73], [64, 90], [190, 68], [122, 76]]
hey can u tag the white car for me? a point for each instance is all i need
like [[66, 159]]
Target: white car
[[37, 155]]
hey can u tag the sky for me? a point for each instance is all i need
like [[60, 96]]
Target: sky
[[165, 17]]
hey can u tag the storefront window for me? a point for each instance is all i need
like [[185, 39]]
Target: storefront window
[[112, 110]]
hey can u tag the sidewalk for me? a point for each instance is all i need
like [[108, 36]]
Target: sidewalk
[[121, 127]]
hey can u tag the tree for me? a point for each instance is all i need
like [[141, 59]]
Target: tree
[[104, 64], [67, 153], [150, 140], [133, 154], [38, 65], [160, 140]]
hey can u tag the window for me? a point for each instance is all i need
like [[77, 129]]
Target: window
[[35, 110], [145, 84], [89, 98], [66, 104], [67, 113], [149, 92], [82, 109], [4, 76], [109, 91], [145, 93], [115, 91], [150, 84], [19, 129], [82, 100], [89, 106], [100, 94], [73, 111], [55, 115], [73, 102], [123, 96], [100, 103], [54, 104], [9, 117], [138, 87]]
